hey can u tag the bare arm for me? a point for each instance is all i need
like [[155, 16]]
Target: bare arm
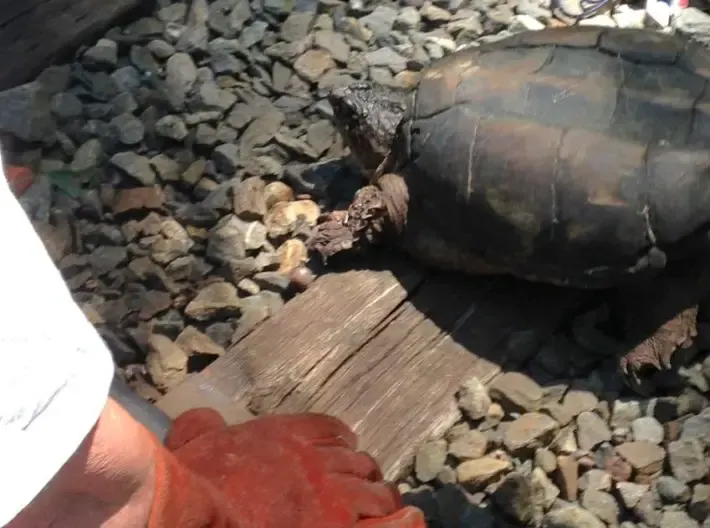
[[108, 481]]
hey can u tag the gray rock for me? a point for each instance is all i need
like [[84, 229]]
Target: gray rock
[[648, 510], [129, 129], [647, 429], [161, 49], [520, 499], [407, 19], [429, 460], [386, 57], [516, 392], [136, 166], [596, 479], [473, 399], [171, 127], [677, 519], [217, 299], [195, 35], [67, 106], [180, 77], [273, 281], [624, 412], [699, 508], [226, 243], [296, 26], [631, 493], [253, 34], [103, 54], [602, 505], [226, 158], [210, 97], [698, 427], [693, 22], [167, 169], [687, 460], [571, 517], [26, 112], [672, 490], [468, 446], [592, 430], [127, 79], [381, 20], [334, 43], [89, 155], [104, 259]]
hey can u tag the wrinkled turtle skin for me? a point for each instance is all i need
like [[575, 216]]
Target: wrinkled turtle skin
[[574, 156]]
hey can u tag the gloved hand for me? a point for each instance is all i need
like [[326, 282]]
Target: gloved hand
[[282, 471], [19, 178]]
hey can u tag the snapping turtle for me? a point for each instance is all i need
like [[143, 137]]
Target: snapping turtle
[[573, 156]]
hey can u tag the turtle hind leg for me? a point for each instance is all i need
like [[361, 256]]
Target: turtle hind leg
[[654, 319], [657, 350], [659, 317]]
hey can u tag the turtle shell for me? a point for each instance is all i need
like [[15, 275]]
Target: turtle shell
[[578, 156]]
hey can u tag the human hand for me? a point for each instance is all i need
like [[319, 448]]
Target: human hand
[[298, 470]]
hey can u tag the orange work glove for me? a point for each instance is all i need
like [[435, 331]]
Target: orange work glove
[[19, 178], [282, 471]]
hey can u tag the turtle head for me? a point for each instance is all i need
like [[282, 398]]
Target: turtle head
[[367, 115]]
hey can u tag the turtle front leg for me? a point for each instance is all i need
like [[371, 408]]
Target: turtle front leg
[[373, 207]]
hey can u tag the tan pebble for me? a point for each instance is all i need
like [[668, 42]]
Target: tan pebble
[[138, 198], [403, 488], [195, 342], [476, 474], [496, 412], [567, 476], [619, 468], [644, 457], [282, 218], [207, 184], [166, 362], [91, 314], [640, 478], [565, 442], [197, 233], [277, 192], [672, 430], [194, 172], [145, 390], [292, 254]]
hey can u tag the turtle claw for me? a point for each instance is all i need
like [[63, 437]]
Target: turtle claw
[[653, 352]]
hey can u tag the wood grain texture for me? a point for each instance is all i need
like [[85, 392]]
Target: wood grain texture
[[35, 33], [328, 321], [385, 351]]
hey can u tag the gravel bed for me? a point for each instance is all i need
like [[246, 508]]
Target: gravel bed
[[182, 162], [578, 452]]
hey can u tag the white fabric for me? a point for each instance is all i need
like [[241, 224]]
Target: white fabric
[[56, 371]]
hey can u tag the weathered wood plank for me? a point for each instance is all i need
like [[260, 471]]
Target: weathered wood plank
[[331, 319], [398, 390], [34, 33], [384, 351]]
